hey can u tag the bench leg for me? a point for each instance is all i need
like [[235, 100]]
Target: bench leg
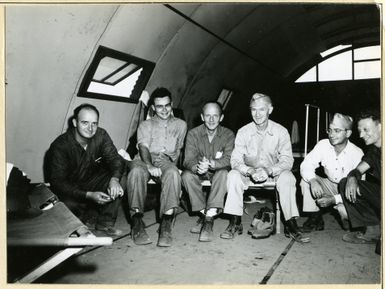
[[277, 213]]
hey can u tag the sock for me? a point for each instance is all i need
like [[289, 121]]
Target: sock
[[211, 212]]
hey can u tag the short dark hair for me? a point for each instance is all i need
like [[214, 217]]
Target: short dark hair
[[213, 102], [372, 113], [86, 106], [160, 92]]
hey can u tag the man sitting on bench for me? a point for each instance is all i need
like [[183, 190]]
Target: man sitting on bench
[[160, 140], [207, 157], [262, 151]]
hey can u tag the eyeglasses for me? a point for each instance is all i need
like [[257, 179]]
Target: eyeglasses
[[335, 130], [159, 107]]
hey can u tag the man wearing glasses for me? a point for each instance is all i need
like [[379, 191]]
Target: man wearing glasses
[[160, 140], [338, 156]]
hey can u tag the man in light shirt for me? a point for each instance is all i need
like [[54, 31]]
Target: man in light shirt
[[160, 140], [338, 156], [262, 152]]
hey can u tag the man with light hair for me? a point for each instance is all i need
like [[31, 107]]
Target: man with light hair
[[338, 156], [262, 153]]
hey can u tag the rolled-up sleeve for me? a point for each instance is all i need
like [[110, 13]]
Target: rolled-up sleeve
[[285, 154], [237, 160], [310, 163], [144, 134]]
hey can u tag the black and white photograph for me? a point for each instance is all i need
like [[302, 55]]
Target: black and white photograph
[[193, 143]]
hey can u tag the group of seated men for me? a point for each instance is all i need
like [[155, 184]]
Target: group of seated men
[[89, 175]]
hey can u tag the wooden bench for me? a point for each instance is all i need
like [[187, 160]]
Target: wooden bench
[[263, 186]]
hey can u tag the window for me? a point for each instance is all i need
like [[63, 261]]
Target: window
[[348, 64], [224, 97], [115, 75]]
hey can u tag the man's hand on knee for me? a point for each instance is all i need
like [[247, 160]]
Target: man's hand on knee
[[315, 188], [114, 188]]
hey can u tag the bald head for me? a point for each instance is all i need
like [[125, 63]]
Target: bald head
[[212, 115], [212, 105]]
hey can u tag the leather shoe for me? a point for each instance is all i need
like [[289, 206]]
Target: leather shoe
[[266, 227], [315, 222], [198, 226], [235, 226], [165, 237], [358, 238], [138, 232], [110, 231], [206, 234], [291, 230]]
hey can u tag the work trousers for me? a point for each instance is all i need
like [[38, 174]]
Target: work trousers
[[137, 179], [285, 184], [366, 211], [193, 185], [90, 212], [328, 189]]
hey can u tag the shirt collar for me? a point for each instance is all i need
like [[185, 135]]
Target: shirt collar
[[158, 119], [268, 130], [203, 131]]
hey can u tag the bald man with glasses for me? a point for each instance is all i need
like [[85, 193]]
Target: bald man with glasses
[[338, 156]]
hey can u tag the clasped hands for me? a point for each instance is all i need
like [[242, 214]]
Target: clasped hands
[[204, 166], [259, 174]]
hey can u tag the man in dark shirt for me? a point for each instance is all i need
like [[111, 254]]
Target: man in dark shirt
[[85, 170], [362, 199], [207, 156]]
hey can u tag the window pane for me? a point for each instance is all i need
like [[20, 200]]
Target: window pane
[[338, 67], [367, 69], [369, 52], [309, 76]]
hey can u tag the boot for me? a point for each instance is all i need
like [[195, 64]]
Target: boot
[[138, 232], [315, 222], [198, 226], [235, 226], [165, 237], [206, 234], [291, 230]]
